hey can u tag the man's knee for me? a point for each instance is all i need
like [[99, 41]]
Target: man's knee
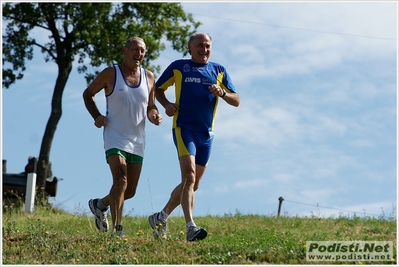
[[189, 179], [130, 192], [120, 183]]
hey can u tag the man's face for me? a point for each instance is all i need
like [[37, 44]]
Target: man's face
[[200, 49], [135, 52]]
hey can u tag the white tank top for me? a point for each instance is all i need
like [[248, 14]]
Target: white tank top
[[126, 114]]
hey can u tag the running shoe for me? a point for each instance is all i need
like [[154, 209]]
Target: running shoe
[[101, 215], [195, 233], [160, 227], [118, 231]]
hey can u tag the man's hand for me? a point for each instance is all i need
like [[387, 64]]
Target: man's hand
[[156, 118], [100, 121], [216, 90], [171, 109]]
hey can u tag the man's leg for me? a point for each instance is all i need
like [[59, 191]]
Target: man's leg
[[132, 176], [117, 192], [190, 180], [176, 195], [191, 175], [187, 167], [174, 201], [98, 206]]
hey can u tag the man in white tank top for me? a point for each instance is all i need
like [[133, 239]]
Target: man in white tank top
[[129, 91]]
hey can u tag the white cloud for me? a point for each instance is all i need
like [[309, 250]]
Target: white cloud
[[316, 195], [252, 123], [251, 184], [297, 38]]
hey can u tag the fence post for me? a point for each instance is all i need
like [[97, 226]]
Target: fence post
[[30, 186], [280, 199]]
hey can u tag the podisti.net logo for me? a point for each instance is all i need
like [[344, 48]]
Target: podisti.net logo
[[349, 250]]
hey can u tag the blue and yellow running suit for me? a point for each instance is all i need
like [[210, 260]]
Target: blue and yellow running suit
[[197, 105]]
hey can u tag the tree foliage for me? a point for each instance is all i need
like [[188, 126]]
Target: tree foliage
[[93, 33], [89, 34]]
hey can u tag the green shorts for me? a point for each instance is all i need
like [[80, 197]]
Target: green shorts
[[130, 158]]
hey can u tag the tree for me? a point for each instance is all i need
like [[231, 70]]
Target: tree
[[93, 31]]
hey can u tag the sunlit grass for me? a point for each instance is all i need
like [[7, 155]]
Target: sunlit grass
[[50, 236]]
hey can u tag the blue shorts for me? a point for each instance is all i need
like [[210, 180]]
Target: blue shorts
[[198, 144]]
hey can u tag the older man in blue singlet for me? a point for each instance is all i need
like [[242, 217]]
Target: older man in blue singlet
[[199, 84], [129, 90]]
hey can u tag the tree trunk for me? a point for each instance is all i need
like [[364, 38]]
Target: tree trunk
[[43, 164]]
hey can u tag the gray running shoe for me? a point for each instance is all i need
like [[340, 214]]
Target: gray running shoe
[[195, 233], [118, 231], [160, 227], [101, 216]]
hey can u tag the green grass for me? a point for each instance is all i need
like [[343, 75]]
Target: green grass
[[51, 236]]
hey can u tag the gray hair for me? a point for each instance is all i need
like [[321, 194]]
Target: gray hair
[[128, 42], [194, 35]]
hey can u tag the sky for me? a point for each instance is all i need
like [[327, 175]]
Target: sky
[[316, 124]]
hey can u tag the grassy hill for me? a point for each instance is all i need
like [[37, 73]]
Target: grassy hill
[[50, 236]]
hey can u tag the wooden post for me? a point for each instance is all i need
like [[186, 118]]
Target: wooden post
[[30, 186], [280, 199]]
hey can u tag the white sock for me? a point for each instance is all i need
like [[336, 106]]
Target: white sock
[[189, 224]]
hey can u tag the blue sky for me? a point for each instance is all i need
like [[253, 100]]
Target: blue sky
[[316, 124]]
